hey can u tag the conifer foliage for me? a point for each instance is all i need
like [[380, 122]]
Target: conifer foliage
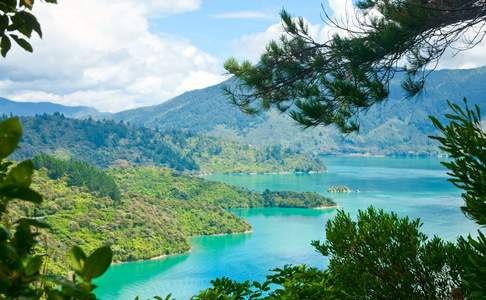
[[333, 81], [79, 173]]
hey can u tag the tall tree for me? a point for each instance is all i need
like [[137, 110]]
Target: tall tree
[[331, 82]]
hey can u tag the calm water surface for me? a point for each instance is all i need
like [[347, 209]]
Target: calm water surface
[[414, 187]]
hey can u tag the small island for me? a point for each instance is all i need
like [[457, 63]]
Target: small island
[[339, 189], [290, 199]]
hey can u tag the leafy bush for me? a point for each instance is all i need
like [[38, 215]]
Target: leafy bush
[[21, 266]]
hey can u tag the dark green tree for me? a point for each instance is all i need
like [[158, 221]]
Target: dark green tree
[[382, 256], [464, 140], [79, 173], [332, 82]]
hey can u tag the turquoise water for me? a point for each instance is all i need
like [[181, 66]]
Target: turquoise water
[[414, 187]]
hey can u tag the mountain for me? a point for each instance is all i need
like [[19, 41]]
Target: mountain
[[9, 107], [397, 126], [198, 111], [106, 143]]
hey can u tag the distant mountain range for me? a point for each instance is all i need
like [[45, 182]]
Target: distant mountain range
[[396, 126], [9, 107]]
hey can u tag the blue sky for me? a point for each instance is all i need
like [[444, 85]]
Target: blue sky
[[215, 25]]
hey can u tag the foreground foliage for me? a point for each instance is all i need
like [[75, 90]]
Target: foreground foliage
[[390, 256], [17, 23], [465, 140], [22, 265]]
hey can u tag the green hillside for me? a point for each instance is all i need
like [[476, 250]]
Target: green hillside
[[107, 143], [159, 210], [397, 126]]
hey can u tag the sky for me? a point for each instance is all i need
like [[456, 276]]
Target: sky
[[123, 54]]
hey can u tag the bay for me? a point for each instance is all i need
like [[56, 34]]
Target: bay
[[414, 187]]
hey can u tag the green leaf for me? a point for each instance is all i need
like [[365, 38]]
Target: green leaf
[[97, 263], [21, 174], [23, 193], [5, 45], [77, 258], [32, 265], [34, 223], [22, 43], [29, 23], [4, 20], [10, 133]]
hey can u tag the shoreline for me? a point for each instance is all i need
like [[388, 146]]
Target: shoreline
[[224, 234], [326, 207], [203, 174], [164, 256]]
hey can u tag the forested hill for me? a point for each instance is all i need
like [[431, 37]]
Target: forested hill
[[156, 213], [9, 107], [397, 126], [106, 143]]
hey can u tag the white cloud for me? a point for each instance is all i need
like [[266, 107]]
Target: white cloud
[[472, 58], [170, 6], [251, 46], [341, 9], [244, 14], [101, 53]]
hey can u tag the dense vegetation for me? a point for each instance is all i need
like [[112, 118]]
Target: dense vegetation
[[24, 272], [107, 143], [79, 173], [139, 226], [295, 199], [167, 184], [156, 214], [99, 142]]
